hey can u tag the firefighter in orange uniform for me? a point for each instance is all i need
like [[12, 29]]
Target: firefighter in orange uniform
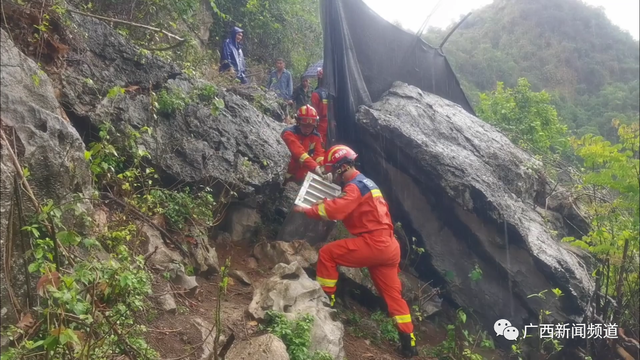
[[365, 214], [320, 101], [304, 143]]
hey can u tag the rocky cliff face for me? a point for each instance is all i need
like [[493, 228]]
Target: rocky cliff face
[[472, 198], [48, 146], [237, 145]]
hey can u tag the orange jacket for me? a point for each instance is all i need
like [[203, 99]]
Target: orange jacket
[[360, 207], [320, 101], [306, 151]]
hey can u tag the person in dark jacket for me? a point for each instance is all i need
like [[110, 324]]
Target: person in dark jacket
[[302, 93], [231, 55]]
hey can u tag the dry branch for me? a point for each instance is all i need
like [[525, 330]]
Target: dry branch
[[128, 23], [19, 170], [49, 225]]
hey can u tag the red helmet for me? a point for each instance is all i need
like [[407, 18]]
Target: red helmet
[[307, 115], [337, 156]]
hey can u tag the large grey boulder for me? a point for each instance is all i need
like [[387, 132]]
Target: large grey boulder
[[46, 144], [292, 292], [238, 148], [264, 347], [456, 184]]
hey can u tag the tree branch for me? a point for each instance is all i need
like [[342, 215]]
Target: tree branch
[[19, 170], [167, 48], [128, 23]]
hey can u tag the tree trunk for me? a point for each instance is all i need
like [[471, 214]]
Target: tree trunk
[[619, 292]]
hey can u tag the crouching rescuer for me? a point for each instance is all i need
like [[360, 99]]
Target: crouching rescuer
[[305, 145], [365, 214]]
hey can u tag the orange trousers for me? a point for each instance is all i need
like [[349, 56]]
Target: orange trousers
[[378, 251]]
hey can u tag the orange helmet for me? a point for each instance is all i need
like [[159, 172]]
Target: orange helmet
[[307, 115], [339, 155]]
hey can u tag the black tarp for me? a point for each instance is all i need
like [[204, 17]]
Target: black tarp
[[364, 54]]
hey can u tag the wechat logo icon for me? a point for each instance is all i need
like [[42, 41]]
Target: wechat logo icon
[[503, 327]]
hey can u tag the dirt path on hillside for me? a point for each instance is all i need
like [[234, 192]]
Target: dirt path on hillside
[[177, 336]]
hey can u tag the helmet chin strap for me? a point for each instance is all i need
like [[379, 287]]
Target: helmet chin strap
[[340, 173]]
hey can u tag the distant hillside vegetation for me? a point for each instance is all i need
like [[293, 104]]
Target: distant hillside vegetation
[[568, 48]]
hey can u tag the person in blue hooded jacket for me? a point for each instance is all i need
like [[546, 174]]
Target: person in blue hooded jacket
[[231, 54]]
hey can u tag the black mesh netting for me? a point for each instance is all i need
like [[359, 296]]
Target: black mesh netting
[[364, 54]]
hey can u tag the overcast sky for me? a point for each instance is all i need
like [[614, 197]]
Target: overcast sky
[[412, 13]]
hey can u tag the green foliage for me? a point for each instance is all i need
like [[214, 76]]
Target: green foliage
[[476, 273], [388, 329], [295, 334], [458, 341], [169, 102], [566, 47], [89, 309], [121, 166], [531, 339], [279, 28], [115, 92], [527, 117], [179, 207], [289, 29], [609, 191]]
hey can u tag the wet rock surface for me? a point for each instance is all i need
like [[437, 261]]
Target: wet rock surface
[[47, 145], [237, 148], [456, 184], [293, 293]]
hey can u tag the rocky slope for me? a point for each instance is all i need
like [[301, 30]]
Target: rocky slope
[[453, 182], [238, 146]]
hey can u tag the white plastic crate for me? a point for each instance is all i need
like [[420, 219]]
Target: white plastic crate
[[315, 188]]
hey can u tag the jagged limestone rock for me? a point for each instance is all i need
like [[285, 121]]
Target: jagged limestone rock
[[46, 145], [292, 292], [276, 252], [265, 347]]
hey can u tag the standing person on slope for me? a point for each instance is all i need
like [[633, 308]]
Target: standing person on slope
[[364, 213], [303, 141], [320, 101]]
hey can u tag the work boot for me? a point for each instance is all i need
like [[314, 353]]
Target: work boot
[[408, 345]]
